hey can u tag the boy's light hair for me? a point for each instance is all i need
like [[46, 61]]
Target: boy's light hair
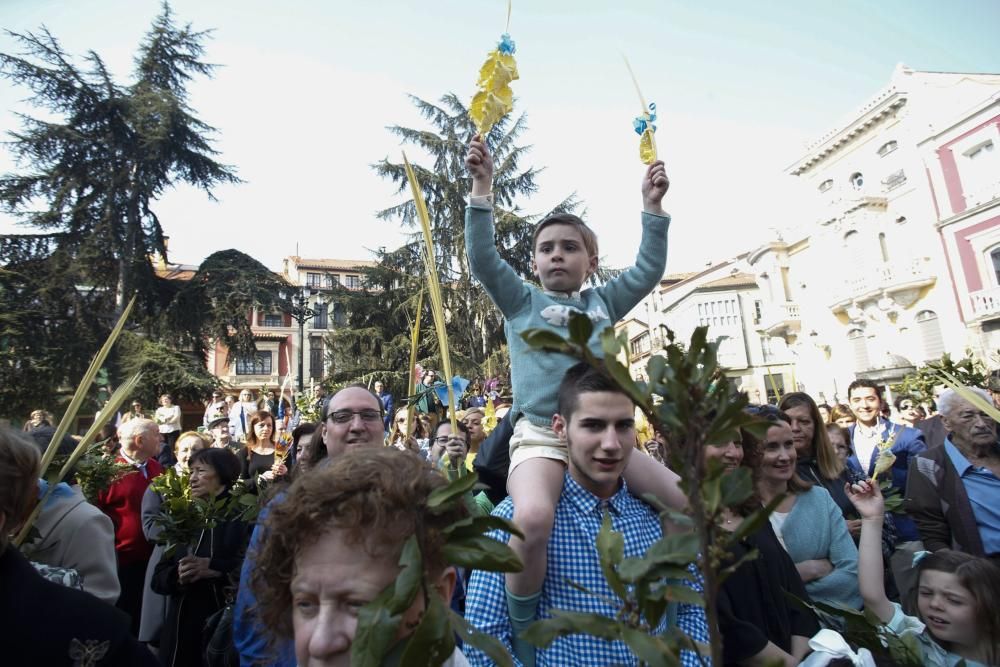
[[588, 235]]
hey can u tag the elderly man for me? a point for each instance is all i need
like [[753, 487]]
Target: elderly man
[[352, 418], [953, 492], [122, 501], [597, 423]]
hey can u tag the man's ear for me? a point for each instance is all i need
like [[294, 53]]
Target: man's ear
[[445, 585], [559, 425]]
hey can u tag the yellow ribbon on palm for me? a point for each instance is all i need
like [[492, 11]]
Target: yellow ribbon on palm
[[494, 98]]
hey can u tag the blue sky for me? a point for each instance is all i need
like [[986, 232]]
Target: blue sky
[[307, 87]]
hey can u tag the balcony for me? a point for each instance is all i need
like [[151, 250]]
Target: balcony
[[986, 304], [780, 319], [902, 281]]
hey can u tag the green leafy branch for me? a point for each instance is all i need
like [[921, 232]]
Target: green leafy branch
[[95, 471]]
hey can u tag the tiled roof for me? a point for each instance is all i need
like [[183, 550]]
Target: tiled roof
[[342, 264]]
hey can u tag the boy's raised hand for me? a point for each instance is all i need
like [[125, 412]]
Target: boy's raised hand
[[654, 185], [480, 165]]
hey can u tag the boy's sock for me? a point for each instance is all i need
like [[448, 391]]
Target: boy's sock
[[522, 610]]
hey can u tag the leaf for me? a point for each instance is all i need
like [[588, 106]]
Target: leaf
[[488, 644], [481, 553], [610, 551], [546, 339], [376, 630], [683, 594], [752, 523], [736, 487], [408, 581], [442, 496], [433, 641], [580, 329], [543, 632], [480, 525], [494, 99], [650, 649]]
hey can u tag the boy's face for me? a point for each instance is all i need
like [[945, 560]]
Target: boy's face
[[561, 261]]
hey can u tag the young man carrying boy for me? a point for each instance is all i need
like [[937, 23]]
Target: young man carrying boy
[[564, 257]]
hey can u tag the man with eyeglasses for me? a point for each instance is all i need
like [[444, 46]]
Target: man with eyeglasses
[[352, 418], [216, 407]]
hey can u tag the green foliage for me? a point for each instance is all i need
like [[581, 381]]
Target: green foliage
[[433, 640], [95, 471], [689, 397], [968, 371], [164, 370], [183, 517]]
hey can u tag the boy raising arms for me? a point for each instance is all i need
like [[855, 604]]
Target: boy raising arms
[[564, 255]]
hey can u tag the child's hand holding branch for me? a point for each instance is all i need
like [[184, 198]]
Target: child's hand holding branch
[[654, 186], [480, 164]]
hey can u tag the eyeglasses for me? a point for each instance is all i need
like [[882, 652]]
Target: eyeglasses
[[345, 416], [445, 439]]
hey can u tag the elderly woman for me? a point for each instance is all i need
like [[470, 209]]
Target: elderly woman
[[47, 623], [334, 544], [807, 522], [195, 580], [154, 605]]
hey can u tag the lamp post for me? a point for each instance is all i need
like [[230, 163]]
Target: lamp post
[[300, 312]]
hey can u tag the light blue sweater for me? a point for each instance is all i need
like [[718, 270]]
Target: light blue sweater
[[815, 529], [535, 375]]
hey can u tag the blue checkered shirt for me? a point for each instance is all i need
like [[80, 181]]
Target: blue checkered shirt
[[573, 556]]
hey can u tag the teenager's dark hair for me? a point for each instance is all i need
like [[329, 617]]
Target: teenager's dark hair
[[582, 378], [223, 461], [861, 382]]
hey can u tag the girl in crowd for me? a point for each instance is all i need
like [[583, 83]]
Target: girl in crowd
[[196, 581], [957, 595], [841, 415], [807, 522], [402, 436], [257, 460], [335, 543], [758, 623], [816, 460], [154, 605]]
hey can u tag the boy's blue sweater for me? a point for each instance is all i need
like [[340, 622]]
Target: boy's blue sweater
[[535, 375]]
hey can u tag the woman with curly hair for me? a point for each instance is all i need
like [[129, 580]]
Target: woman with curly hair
[[334, 544]]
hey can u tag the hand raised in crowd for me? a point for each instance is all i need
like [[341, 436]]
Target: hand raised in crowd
[[480, 166], [654, 186], [455, 449], [194, 568], [867, 499]]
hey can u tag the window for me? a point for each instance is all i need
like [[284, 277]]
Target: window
[[995, 260], [884, 247], [860, 349], [930, 334], [274, 320], [826, 185], [353, 282], [314, 279], [758, 313], [894, 180], [259, 365], [320, 318], [641, 344], [981, 151], [887, 148], [334, 279], [339, 316], [775, 383], [316, 357], [857, 180]]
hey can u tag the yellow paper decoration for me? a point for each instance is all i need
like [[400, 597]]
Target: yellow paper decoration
[[644, 123], [647, 146], [495, 99], [884, 461]]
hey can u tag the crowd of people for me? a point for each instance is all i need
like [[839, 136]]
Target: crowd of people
[[341, 494]]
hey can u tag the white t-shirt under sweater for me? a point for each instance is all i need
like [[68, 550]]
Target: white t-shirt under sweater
[[866, 440]]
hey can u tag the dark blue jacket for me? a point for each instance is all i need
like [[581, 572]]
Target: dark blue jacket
[[909, 442]]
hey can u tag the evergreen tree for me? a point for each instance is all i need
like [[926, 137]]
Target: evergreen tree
[[475, 327]]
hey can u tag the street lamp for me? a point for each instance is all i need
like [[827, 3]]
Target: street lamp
[[300, 312]]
